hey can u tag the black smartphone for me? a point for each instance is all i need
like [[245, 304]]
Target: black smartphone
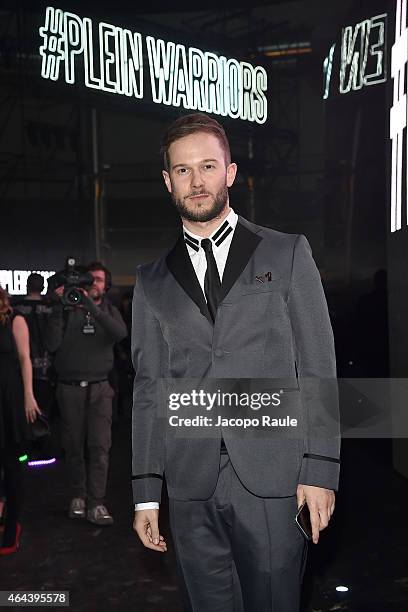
[[302, 520]]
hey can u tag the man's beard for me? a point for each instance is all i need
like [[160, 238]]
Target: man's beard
[[96, 295], [205, 214]]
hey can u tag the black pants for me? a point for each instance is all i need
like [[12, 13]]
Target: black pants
[[12, 487], [237, 551], [86, 418]]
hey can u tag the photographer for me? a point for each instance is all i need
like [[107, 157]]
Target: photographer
[[83, 329]]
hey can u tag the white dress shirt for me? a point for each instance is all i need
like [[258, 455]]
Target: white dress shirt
[[220, 244], [221, 239]]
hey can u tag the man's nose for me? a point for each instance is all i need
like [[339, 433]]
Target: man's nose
[[196, 179]]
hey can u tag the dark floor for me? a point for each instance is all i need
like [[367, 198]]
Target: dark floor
[[366, 547]]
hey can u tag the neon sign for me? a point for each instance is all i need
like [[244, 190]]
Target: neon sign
[[113, 61], [398, 112], [362, 56], [15, 281], [360, 43]]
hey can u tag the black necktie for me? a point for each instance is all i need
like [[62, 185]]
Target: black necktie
[[212, 283], [212, 286]]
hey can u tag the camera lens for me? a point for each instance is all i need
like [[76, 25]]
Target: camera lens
[[73, 297]]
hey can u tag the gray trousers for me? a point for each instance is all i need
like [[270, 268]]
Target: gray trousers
[[86, 422], [236, 551]]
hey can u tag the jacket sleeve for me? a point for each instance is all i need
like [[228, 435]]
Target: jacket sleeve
[[149, 354], [316, 367], [113, 324]]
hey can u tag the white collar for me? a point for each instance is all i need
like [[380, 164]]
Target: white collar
[[217, 237]]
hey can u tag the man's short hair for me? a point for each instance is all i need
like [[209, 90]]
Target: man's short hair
[[192, 124], [35, 283]]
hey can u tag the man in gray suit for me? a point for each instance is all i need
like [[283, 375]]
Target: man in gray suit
[[231, 300]]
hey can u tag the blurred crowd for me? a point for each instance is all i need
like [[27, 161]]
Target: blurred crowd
[[65, 376]]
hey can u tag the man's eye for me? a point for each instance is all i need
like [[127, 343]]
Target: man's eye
[[209, 166], [182, 171]]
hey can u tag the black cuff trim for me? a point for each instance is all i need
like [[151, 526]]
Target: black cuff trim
[[320, 457], [151, 475]]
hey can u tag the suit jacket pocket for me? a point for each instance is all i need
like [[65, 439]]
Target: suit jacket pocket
[[265, 287]]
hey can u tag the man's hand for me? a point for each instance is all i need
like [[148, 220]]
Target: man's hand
[[86, 300], [146, 525], [321, 506], [88, 303]]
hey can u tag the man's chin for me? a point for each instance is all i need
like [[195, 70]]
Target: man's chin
[[199, 215], [200, 212]]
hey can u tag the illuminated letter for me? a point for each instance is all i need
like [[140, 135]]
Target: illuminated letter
[[46, 276], [356, 60], [248, 84], [377, 50], [234, 77], [20, 281], [73, 44], [90, 79], [132, 64], [260, 101], [398, 112], [196, 62], [181, 88], [107, 57], [6, 280], [52, 51], [221, 85], [212, 84], [327, 71], [161, 60]]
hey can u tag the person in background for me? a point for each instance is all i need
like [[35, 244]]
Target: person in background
[[36, 310], [83, 337], [18, 407]]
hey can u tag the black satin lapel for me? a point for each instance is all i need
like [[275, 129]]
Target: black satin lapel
[[244, 243], [179, 263]]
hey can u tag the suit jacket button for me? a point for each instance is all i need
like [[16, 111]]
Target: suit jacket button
[[218, 353]]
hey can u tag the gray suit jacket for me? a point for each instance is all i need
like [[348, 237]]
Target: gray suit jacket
[[278, 329]]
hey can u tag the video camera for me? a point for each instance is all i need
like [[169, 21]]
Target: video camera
[[73, 278]]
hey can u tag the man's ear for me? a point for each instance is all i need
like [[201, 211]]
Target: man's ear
[[166, 177], [231, 174]]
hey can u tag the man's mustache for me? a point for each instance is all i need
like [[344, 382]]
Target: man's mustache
[[197, 193]]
